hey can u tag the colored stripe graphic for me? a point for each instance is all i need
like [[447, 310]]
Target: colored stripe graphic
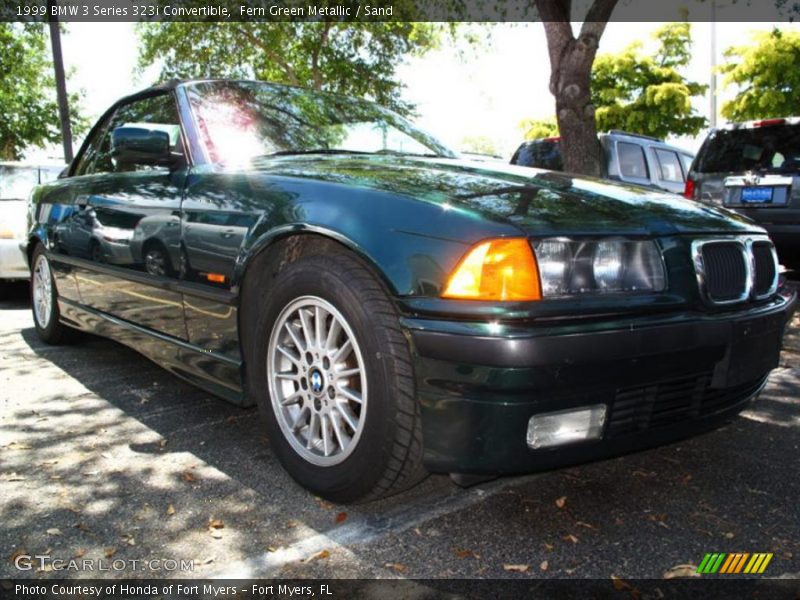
[[758, 563], [724, 563]]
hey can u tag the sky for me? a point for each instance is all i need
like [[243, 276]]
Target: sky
[[458, 91]]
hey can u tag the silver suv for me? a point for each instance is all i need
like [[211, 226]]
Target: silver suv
[[632, 158], [754, 169]]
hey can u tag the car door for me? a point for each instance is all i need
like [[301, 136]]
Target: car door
[[112, 199]]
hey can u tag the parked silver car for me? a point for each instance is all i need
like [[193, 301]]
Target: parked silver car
[[632, 158], [754, 169], [16, 182]]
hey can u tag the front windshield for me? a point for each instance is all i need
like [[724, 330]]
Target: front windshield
[[243, 120]]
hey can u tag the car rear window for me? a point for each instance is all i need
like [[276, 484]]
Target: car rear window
[[775, 148], [669, 165], [542, 154]]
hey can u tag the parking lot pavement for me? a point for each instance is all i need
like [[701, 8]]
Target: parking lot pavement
[[103, 455]]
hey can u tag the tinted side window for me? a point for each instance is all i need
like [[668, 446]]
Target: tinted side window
[[632, 162], [87, 158], [156, 112], [669, 166]]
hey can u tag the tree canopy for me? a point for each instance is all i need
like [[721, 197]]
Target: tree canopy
[[767, 74], [349, 58], [648, 94], [27, 91]]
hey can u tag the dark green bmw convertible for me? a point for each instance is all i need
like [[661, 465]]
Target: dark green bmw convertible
[[392, 309]]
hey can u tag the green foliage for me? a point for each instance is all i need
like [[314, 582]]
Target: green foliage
[[27, 91], [767, 73], [479, 144], [350, 58], [533, 129], [648, 94]]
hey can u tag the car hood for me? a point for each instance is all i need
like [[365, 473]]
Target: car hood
[[538, 202]]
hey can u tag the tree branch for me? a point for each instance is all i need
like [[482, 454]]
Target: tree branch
[[597, 18], [323, 39], [271, 54]]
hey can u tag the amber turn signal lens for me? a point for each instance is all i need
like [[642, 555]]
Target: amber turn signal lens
[[502, 269]]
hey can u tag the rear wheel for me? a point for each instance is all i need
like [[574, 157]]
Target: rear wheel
[[44, 302], [331, 372]]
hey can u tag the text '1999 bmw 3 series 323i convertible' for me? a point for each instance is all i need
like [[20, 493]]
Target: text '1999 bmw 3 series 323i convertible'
[[392, 309]]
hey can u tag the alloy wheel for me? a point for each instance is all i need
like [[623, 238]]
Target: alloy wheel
[[317, 381], [42, 291]]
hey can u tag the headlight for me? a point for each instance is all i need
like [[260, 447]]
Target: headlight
[[610, 265]]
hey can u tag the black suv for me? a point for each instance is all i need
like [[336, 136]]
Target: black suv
[[754, 169]]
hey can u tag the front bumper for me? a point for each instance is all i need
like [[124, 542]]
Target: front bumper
[[661, 378]]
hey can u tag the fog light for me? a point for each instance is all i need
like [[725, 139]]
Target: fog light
[[566, 426]]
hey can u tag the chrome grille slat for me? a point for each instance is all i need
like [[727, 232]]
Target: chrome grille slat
[[732, 270]]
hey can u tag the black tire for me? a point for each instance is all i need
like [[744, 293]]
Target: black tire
[[53, 332], [387, 457], [156, 259]]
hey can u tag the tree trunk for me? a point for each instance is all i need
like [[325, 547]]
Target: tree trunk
[[580, 149], [571, 62]]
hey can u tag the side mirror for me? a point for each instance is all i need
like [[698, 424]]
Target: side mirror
[[139, 146]]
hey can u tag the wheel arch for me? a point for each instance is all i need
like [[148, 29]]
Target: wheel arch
[[279, 248]]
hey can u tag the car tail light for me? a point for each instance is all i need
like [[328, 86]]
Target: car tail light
[[502, 269], [769, 122], [688, 191]]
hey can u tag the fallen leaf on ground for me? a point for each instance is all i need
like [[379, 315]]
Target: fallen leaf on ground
[[322, 554], [323, 503], [17, 553], [291, 523], [216, 523], [341, 517], [544, 565], [170, 510], [570, 538], [397, 567], [464, 553], [585, 524], [79, 553], [109, 552], [682, 571], [623, 586], [82, 526], [549, 547], [54, 531], [187, 476], [729, 535], [561, 502], [516, 568]]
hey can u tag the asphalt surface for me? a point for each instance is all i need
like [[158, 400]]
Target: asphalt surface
[[103, 455]]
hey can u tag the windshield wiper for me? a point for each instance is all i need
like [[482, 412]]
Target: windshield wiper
[[399, 153], [386, 152], [314, 151]]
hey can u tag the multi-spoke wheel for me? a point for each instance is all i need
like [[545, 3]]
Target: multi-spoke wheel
[[317, 381], [331, 372], [42, 290], [44, 301]]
